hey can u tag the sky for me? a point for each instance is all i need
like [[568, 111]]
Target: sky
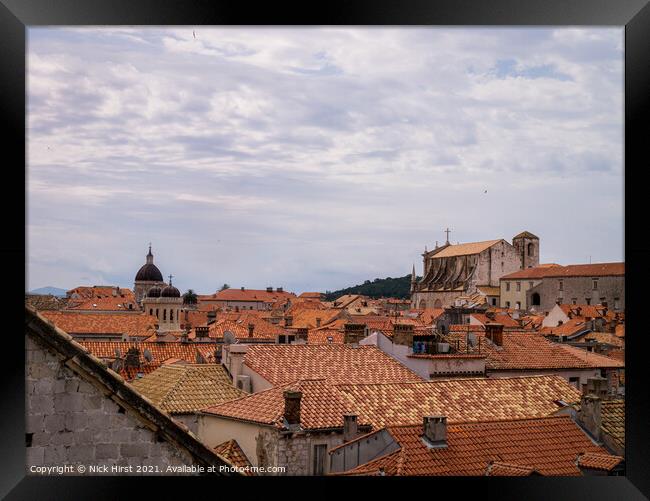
[[315, 158]]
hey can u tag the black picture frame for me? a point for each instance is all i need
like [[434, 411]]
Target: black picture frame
[[17, 15]]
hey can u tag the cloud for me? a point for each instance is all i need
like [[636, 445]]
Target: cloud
[[314, 157]]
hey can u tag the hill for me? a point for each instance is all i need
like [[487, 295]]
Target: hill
[[379, 287], [49, 290]]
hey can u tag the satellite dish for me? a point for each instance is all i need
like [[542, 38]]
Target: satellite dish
[[118, 353], [147, 355], [228, 338]]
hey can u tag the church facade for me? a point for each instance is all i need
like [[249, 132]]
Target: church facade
[[451, 271]]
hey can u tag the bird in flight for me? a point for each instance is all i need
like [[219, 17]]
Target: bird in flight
[[485, 191], [194, 33]]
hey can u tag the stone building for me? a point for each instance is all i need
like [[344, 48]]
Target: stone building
[[452, 271], [78, 412], [598, 283], [147, 277], [165, 304]]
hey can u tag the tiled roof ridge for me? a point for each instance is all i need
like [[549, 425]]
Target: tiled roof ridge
[[187, 374], [440, 380], [492, 422], [249, 395]]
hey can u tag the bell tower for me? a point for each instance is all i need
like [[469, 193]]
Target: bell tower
[[527, 246]]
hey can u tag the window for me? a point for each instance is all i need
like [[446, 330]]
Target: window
[[171, 315], [574, 300], [595, 284], [617, 303], [151, 311], [575, 381], [157, 316], [535, 299], [561, 285], [320, 451], [518, 286], [494, 301], [531, 249], [518, 305], [530, 285], [587, 300], [507, 304], [164, 315], [507, 286]]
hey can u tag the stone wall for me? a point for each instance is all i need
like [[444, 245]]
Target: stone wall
[[70, 422], [580, 289]]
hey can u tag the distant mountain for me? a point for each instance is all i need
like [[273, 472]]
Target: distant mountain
[[49, 290], [379, 287]]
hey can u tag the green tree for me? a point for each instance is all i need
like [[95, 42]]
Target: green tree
[[190, 297]]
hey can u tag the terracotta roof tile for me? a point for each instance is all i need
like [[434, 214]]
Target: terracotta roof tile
[[279, 364], [497, 469], [612, 414], [231, 451], [598, 461], [549, 446], [325, 336], [253, 295], [465, 249], [525, 350], [458, 399], [321, 406], [187, 388], [136, 325]]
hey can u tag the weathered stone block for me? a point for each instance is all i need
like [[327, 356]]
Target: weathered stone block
[[35, 456], [55, 455], [86, 387], [81, 453], [75, 421], [71, 386], [107, 451], [41, 404], [54, 423], [98, 420], [44, 386], [62, 438], [134, 450], [59, 386], [41, 439], [34, 422]]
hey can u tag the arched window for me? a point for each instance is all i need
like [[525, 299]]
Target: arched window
[[164, 314], [157, 315], [437, 304], [151, 311], [531, 249], [171, 315], [535, 299], [423, 304]]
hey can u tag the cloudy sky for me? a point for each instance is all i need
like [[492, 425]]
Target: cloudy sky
[[316, 158]]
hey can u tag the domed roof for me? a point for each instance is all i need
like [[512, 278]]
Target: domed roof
[[170, 291], [154, 291], [149, 271]]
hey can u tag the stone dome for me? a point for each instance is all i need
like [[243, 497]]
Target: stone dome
[[170, 291], [154, 291], [149, 271]]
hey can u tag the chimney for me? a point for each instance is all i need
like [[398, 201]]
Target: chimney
[[350, 427], [269, 289], [590, 414], [292, 408], [288, 321], [212, 316], [435, 430], [279, 289], [318, 320], [243, 288], [494, 332], [596, 386], [251, 329]]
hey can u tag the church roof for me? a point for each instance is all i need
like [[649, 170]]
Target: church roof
[[466, 249], [526, 234], [149, 273]]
